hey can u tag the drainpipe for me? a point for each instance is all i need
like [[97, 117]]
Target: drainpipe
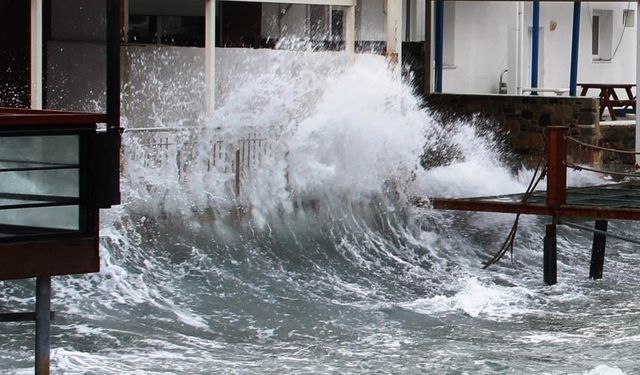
[[535, 45], [521, 44], [439, 43], [573, 81]]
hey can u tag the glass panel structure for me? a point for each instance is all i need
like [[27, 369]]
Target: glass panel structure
[[41, 187]]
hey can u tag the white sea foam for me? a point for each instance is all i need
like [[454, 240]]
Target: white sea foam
[[605, 370], [477, 300]]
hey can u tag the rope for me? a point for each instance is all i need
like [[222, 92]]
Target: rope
[[601, 232], [601, 171], [588, 145], [507, 245]]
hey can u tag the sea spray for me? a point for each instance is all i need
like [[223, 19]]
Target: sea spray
[[321, 264]]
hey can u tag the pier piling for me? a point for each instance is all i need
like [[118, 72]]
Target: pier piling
[[598, 249], [550, 255], [43, 324]]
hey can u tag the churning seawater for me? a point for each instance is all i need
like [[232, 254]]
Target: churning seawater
[[321, 265]]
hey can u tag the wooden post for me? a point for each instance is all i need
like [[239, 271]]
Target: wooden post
[[550, 255], [597, 250], [556, 196], [556, 165]]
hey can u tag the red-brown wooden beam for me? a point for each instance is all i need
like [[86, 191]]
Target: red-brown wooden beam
[[48, 258], [589, 212], [556, 165]]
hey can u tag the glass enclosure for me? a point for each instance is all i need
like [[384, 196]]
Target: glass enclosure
[[41, 185]]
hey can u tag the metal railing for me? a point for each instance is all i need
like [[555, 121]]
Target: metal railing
[[160, 146]]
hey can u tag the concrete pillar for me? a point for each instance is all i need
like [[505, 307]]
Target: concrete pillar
[[350, 34], [210, 55], [36, 54], [393, 30]]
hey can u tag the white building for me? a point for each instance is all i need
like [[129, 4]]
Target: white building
[[482, 39]]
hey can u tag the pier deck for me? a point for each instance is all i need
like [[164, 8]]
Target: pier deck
[[601, 203], [612, 201]]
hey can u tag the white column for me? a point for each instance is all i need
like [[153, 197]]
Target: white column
[[393, 30], [637, 85], [36, 54], [350, 34], [210, 55]]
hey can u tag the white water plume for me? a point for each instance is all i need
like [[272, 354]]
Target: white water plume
[[332, 265]]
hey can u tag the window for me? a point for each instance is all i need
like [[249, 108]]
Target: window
[[170, 30], [595, 36], [629, 18], [601, 34], [449, 32]]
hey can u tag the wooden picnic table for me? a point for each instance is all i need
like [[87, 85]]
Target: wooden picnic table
[[609, 98]]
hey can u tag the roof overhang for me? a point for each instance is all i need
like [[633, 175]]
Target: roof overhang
[[346, 3]]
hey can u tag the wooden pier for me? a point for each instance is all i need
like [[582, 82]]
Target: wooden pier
[[616, 201]]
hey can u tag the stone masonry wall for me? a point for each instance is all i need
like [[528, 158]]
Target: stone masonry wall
[[620, 137], [524, 118]]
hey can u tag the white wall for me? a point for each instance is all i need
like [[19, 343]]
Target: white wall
[[163, 86], [480, 47], [621, 69]]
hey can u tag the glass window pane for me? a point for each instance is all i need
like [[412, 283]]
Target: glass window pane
[[595, 36]]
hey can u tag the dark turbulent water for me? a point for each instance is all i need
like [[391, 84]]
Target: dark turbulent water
[[329, 269]]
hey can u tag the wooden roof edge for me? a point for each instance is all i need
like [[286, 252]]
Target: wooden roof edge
[[20, 116]]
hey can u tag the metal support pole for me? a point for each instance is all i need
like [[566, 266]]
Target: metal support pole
[[535, 45], [598, 250], [575, 43], [427, 48], [113, 100], [43, 324], [439, 43], [550, 255]]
